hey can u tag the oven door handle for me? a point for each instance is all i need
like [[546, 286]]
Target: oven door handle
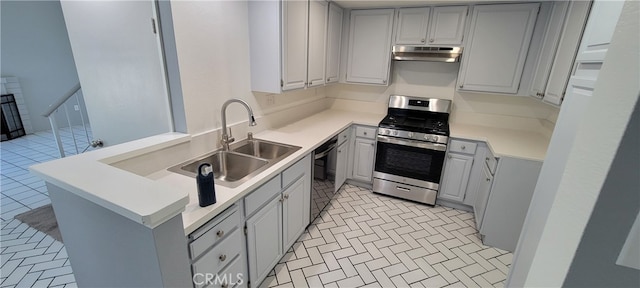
[[412, 143]]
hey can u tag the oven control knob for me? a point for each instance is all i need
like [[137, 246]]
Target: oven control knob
[[395, 133], [434, 138], [410, 134], [427, 137]]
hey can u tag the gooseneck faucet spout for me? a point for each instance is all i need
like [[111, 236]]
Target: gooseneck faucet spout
[[227, 138]]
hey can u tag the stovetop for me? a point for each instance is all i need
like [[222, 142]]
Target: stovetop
[[421, 124]]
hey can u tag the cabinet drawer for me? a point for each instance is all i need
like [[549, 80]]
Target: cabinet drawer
[[296, 170], [221, 255], [261, 195], [492, 162], [231, 276], [216, 233], [343, 136], [366, 132], [462, 147]]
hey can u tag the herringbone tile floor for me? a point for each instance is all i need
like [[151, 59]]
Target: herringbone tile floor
[[369, 240]]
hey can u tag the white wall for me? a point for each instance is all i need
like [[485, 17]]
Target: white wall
[[434, 79], [588, 169], [212, 39], [36, 50], [120, 68]]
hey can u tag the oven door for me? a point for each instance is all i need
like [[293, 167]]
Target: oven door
[[420, 162]]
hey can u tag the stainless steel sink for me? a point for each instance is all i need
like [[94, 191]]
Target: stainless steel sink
[[246, 159], [263, 149]]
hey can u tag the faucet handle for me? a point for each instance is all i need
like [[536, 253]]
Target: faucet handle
[[230, 138], [249, 136]]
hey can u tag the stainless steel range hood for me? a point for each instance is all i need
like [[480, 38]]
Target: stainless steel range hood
[[433, 54]]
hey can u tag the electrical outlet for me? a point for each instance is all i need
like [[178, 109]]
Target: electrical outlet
[[76, 107], [271, 99]]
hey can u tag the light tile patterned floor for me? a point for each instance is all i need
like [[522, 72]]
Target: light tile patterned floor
[[31, 258], [369, 240]]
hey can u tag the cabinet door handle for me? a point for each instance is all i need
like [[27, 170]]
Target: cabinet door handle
[[222, 257], [372, 144], [431, 40], [449, 156], [224, 285], [286, 196], [487, 158], [310, 83], [461, 86], [463, 147], [365, 133], [423, 41], [339, 151], [220, 233], [488, 179], [384, 81]]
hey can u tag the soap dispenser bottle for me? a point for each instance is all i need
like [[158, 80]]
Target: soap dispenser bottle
[[206, 187]]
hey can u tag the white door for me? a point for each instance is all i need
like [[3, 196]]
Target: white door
[[456, 177], [294, 44], [412, 26], [118, 57], [317, 41], [363, 159], [264, 240], [334, 41], [499, 39], [294, 212], [369, 56], [447, 25], [341, 165]]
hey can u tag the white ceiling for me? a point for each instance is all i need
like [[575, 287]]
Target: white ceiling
[[355, 4]]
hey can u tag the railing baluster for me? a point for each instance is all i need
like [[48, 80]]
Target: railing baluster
[[56, 133], [84, 126], [73, 136]]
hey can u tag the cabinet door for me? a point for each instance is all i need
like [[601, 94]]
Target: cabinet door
[[456, 177], [498, 43], [447, 25], [566, 53], [317, 41], [334, 41], [370, 46], [484, 189], [363, 159], [412, 26], [548, 49], [264, 240], [341, 165], [294, 212], [294, 44]]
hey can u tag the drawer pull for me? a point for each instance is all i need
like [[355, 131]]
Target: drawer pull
[[220, 233], [487, 159], [222, 257], [365, 133], [403, 189], [463, 147], [488, 179], [225, 285], [286, 196]]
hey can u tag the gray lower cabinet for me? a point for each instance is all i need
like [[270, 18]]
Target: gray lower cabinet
[[277, 214], [482, 196], [364, 152], [456, 177], [216, 258], [294, 203], [264, 239], [341, 164]]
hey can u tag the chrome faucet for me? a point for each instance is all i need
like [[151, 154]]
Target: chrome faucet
[[228, 138]]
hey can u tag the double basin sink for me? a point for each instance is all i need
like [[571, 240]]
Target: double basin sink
[[244, 160]]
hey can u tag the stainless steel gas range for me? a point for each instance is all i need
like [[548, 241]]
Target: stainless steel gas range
[[411, 147]]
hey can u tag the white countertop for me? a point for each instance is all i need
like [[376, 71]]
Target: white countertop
[[503, 142], [159, 196]]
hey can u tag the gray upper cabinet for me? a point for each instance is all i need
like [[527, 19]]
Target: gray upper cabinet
[[334, 41], [412, 25], [294, 44], [447, 25], [369, 55], [497, 47], [317, 42]]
